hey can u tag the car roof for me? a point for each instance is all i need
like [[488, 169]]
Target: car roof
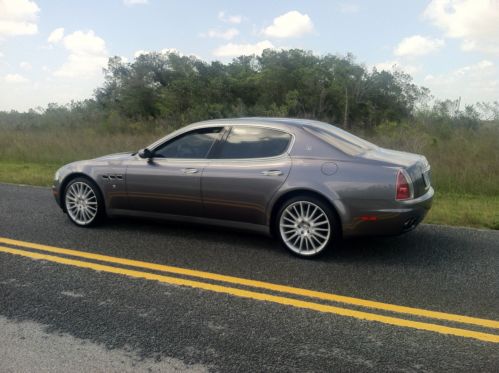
[[275, 122]]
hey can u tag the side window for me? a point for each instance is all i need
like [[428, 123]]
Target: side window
[[194, 144], [254, 142]]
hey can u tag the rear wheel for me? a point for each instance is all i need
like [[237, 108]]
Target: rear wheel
[[306, 226], [83, 202]]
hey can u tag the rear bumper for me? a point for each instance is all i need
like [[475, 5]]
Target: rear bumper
[[400, 217]]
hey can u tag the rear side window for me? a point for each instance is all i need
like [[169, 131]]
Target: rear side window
[[254, 142], [194, 145], [340, 139]]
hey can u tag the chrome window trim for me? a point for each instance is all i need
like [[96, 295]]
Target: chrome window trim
[[175, 134]]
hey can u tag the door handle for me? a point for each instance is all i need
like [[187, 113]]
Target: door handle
[[190, 170], [272, 173]]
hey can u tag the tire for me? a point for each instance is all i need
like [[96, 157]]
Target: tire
[[306, 226], [83, 202]]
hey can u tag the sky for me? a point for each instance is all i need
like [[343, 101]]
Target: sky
[[55, 51]]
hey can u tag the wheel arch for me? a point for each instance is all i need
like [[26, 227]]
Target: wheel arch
[[301, 192], [68, 179]]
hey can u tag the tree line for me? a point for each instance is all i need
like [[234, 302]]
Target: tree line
[[176, 89], [291, 83]]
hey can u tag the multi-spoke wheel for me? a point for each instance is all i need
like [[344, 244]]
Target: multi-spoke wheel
[[83, 202], [306, 226]]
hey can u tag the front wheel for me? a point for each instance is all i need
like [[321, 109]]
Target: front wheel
[[83, 202], [306, 226]]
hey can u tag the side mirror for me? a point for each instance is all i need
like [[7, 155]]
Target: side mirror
[[145, 153]]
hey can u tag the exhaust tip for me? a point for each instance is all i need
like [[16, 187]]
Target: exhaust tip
[[410, 223]]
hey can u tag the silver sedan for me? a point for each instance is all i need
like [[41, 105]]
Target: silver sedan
[[306, 182]]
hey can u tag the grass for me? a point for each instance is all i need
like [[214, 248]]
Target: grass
[[465, 210], [27, 173], [464, 163], [64, 145]]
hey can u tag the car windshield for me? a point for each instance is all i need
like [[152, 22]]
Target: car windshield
[[343, 140]]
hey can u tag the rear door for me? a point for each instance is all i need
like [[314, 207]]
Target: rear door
[[243, 173]]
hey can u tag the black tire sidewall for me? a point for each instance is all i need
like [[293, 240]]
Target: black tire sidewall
[[98, 194], [327, 210]]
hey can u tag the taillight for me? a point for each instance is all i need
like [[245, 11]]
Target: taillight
[[402, 187]]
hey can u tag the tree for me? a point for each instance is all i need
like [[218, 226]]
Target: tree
[[279, 82]]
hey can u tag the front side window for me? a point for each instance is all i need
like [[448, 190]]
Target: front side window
[[254, 142], [192, 145]]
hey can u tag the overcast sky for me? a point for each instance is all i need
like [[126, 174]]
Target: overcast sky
[[54, 51]]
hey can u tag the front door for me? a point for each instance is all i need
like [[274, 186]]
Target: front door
[[165, 186], [170, 181]]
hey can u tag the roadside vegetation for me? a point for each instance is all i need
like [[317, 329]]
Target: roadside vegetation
[[157, 93]]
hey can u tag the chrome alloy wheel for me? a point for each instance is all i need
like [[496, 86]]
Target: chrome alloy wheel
[[305, 228], [81, 203]]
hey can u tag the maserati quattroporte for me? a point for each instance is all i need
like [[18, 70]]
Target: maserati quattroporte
[[306, 182]]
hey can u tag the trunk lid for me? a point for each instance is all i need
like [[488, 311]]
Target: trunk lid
[[416, 166], [392, 157]]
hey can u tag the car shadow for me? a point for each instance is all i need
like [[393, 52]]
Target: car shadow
[[426, 245]]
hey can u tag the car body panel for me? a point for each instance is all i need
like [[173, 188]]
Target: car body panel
[[240, 189], [234, 192], [170, 186]]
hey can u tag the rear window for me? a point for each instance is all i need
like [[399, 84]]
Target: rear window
[[340, 139]]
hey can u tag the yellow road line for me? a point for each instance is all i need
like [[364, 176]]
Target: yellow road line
[[262, 285], [260, 296]]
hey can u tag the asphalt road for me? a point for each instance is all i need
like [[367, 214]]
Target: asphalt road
[[62, 317]]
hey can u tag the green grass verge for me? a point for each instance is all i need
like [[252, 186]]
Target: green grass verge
[[27, 173], [451, 209], [465, 210]]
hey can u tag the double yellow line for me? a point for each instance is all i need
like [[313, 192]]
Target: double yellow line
[[262, 296]]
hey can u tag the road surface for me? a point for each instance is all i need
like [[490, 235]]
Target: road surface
[[140, 295]]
